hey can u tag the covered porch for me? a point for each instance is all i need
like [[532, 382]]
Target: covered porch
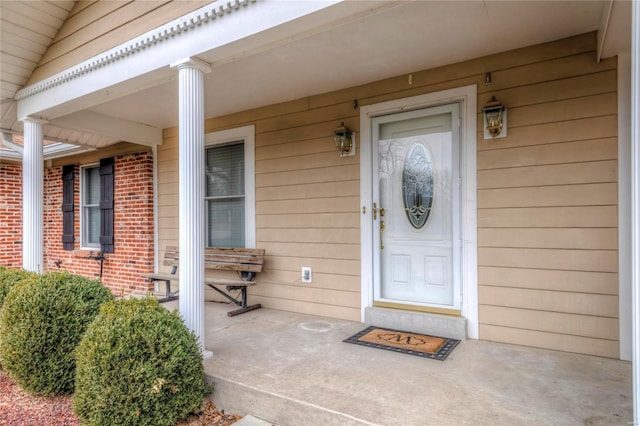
[[294, 369], [285, 74]]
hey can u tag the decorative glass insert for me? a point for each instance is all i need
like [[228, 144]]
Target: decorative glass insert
[[417, 185]]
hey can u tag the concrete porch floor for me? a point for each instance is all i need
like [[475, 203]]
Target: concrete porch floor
[[294, 369]]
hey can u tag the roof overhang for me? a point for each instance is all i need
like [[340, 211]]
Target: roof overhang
[[11, 148], [267, 51]]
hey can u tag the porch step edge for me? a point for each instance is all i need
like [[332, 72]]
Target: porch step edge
[[242, 399], [417, 322], [249, 420]]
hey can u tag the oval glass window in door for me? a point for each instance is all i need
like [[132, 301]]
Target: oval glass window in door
[[417, 185]]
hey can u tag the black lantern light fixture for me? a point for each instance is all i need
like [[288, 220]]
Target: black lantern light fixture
[[343, 138], [495, 119]]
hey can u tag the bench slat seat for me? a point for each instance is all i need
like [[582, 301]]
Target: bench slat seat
[[221, 281], [246, 262], [207, 280]]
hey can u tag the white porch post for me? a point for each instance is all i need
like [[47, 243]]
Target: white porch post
[[635, 202], [191, 192], [32, 196]]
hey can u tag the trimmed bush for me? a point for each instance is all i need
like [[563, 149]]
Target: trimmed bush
[[138, 364], [42, 321], [8, 278]]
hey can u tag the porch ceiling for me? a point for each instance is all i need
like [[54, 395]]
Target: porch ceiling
[[352, 43]]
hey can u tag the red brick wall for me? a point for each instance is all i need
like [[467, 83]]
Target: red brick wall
[[11, 215], [133, 224], [133, 230]]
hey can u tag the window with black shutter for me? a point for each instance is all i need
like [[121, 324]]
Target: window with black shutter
[[68, 177], [90, 207], [106, 204], [96, 206]]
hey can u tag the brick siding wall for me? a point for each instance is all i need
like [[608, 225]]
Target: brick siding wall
[[133, 229], [133, 225], [11, 215]]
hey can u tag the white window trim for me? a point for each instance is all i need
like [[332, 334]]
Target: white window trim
[[248, 134], [467, 96], [81, 208]]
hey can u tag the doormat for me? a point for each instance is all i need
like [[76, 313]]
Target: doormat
[[422, 345]]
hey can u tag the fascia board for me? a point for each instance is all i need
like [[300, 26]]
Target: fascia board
[[8, 154]]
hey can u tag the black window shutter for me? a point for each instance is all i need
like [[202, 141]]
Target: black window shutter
[[68, 176], [106, 204]]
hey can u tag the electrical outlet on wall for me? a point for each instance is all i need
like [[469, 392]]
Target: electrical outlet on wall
[[306, 274]]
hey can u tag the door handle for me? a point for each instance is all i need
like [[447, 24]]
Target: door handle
[[382, 226], [376, 210]]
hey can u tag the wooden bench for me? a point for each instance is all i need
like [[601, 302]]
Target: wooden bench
[[246, 262]]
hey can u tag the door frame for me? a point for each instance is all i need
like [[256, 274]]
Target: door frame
[[467, 97]]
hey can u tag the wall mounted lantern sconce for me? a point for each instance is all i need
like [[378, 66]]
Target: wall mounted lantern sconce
[[495, 119], [344, 139]]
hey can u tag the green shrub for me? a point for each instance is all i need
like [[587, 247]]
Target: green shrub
[[41, 324], [138, 364], [8, 278]]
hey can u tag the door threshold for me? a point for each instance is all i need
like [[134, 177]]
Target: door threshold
[[435, 324], [418, 308]]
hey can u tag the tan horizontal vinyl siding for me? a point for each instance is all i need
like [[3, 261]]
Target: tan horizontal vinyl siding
[[307, 208], [307, 201], [167, 193], [547, 209], [547, 196], [94, 27]]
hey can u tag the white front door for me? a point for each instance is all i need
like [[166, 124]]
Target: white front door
[[416, 195]]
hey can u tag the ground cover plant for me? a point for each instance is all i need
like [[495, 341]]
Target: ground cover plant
[[138, 364], [42, 321]]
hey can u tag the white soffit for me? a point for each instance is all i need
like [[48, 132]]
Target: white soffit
[[273, 51], [111, 127], [11, 148], [348, 46]]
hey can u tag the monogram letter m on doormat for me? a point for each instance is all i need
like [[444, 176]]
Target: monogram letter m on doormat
[[422, 345]]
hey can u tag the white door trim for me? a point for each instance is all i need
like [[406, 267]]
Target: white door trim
[[625, 306], [467, 96]]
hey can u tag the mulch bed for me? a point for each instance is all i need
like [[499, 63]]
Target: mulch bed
[[210, 416], [19, 408]]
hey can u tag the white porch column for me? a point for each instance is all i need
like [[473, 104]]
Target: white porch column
[[191, 192], [32, 196], [635, 202]]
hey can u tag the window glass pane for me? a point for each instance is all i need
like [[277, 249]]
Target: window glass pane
[[225, 170], [91, 186], [90, 234], [226, 223], [225, 196], [91, 226]]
